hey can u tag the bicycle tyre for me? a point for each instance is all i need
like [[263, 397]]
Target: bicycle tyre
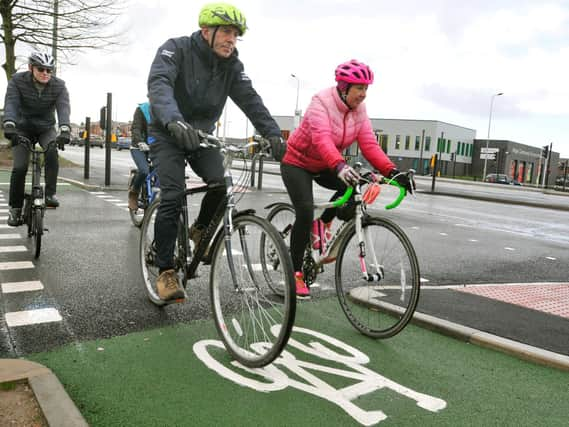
[[136, 216], [282, 217], [379, 308], [147, 256], [37, 221], [253, 321]]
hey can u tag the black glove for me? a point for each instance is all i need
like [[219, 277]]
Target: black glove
[[278, 147], [10, 131], [63, 137], [185, 135], [347, 174], [403, 180]]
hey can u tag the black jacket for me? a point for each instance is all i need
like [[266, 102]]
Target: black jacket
[[139, 128], [189, 82], [31, 110]]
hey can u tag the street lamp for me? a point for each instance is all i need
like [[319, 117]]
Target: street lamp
[[488, 138], [296, 110]]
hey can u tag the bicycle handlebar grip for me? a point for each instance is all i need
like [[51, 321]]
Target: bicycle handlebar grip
[[342, 200], [400, 197]]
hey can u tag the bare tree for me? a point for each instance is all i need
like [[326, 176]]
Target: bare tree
[[62, 26]]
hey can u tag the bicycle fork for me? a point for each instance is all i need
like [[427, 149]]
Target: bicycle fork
[[363, 236]]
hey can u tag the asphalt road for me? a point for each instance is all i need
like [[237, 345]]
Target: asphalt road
[[90, 273]]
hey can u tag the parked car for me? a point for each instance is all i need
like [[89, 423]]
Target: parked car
[[97, 141], [497, 178], [501, 178], [123, 142]]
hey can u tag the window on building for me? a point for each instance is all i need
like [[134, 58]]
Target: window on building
[[417, 143], [407, 141], [428, 143], [397, 142], [384, 142]]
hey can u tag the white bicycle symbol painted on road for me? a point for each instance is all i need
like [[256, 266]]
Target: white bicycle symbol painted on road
[[367, 381]]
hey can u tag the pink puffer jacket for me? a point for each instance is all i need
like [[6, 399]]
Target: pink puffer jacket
[[327, 128]]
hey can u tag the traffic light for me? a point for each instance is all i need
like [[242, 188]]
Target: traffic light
[[103, 118], [544, 151]]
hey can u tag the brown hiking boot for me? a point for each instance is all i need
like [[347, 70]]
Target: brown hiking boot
[[168, 286], [132, 200]]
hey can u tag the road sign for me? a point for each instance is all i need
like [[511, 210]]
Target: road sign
[[488, 156], [489, 150]]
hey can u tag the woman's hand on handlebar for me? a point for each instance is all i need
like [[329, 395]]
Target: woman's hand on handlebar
[[404, 179], [347, 174]]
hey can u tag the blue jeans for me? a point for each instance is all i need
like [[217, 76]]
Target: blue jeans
[[141, 162]]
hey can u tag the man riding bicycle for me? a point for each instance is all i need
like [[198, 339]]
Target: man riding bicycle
[[189, 82], [31, 99], [138, 151]]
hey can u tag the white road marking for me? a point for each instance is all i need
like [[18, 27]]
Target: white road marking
[[15, 265], [472, 240], [10, 236], [494, 284], [32, 317], [113, 200], [509, 249], [551, 258], [8, 249], [14, 287], [443, 234]]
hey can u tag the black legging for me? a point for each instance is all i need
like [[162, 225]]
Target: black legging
[[298, 183]]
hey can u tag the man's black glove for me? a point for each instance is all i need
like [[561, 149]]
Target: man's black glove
[[278, 147], [185, 135], [403, 180], [10, 132], [63, 137]]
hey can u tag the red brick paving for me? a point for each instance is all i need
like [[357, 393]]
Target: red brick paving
[[552, 298]]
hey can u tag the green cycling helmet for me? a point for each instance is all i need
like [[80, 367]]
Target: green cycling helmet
[[215, 14]]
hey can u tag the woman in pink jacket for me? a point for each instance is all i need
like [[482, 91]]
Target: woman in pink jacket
[[334, 120]]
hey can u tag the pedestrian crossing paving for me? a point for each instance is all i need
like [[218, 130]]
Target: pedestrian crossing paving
[[10, 290]]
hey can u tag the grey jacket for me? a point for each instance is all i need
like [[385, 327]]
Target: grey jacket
[[189, 82], [32, 110]]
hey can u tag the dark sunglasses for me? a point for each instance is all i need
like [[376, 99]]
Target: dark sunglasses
[[42, 69]]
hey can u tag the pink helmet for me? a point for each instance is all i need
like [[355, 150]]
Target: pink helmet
[[354, 72]]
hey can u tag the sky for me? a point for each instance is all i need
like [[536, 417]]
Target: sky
[[433, 60]]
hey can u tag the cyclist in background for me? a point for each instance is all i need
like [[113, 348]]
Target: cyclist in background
[[139, 151], [189, 82], [31, 99], [335, 118]]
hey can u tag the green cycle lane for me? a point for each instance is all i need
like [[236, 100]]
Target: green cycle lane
[[328, 375]]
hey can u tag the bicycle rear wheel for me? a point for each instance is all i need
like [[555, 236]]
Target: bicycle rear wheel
[[382, 305], [252, 319], [282, 217], [37, 227], [147, 255], [137, 215]]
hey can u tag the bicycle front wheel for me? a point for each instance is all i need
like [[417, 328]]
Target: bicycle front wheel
[[37, 221], [147, 255], [252, 319], [282, 217], [381, 303]]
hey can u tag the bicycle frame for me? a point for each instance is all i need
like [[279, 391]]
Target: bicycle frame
[[226, 211]]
